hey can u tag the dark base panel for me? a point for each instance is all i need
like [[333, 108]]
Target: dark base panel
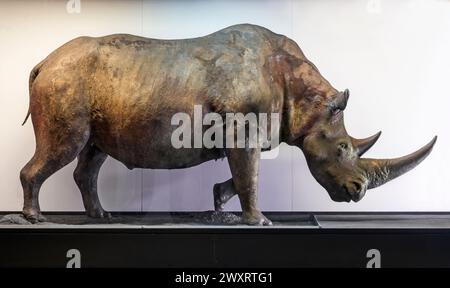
[[229, 247]]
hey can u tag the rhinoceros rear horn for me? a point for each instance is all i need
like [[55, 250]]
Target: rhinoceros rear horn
[[362, 145], [380, 171]]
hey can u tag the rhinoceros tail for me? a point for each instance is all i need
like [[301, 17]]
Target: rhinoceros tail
[[33, 75]]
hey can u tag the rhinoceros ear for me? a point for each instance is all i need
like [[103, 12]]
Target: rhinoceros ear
[[346, 93], [340, 101], [345, 96]]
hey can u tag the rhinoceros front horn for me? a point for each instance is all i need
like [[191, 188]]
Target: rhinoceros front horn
[[380, 171], [362, 145]]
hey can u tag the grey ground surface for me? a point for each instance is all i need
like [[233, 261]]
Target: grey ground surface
[[211, 219], [147, 220], [421, 221]]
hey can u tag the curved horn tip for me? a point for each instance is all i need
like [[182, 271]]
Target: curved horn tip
[[376, 136], [427, 148], [433, 141], [373, 138], [430, 145]]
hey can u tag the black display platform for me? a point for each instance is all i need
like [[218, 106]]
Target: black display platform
[[209, 239]]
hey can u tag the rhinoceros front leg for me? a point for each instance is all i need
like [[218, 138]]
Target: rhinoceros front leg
[[222, 193], [244, 166], [90, 160]]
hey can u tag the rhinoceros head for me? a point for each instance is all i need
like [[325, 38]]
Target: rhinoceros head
[[315, 123], [334, 157]]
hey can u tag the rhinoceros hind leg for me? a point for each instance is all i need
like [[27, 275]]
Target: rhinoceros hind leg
[[90, 160], [47, 160], [244, 166], [222, 193]]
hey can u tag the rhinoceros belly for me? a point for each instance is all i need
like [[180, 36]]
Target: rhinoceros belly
[[146, 142]]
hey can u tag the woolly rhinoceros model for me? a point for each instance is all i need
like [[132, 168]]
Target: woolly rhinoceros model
[[116, 96]]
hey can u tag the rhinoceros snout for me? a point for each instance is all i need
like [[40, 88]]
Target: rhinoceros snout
[[356, 190]]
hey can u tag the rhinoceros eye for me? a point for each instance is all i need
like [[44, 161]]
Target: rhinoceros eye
[[343, 145], [342, 149]]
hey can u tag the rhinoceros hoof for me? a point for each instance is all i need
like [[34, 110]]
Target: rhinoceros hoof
[[99, 213], [257, 219], [34, 216]]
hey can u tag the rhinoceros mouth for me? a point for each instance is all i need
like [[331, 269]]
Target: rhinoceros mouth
[[347, 196], [341, 197]]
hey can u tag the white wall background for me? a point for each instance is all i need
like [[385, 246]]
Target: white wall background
[[392, 55]]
